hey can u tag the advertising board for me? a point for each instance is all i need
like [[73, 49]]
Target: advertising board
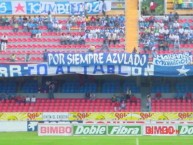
[[127, 130], [160, 130], [54, 129], [89, 130]]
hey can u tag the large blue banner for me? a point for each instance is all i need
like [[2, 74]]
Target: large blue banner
[[90, 59], [43, 69], [55, 7]]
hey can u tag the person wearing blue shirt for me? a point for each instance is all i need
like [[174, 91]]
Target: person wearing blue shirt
[[29, 26], [40, 20], [20, 21], [33, 32], [55, 20], [50, 27]]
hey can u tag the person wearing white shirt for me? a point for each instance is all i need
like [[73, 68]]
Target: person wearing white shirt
[[166, 31], [82, 39], [161, 31], [161, 24], [4, 40], [68, 26], [55, 26], [90, 36], [181, 30], [176, 24], [59, 27], [141, 19], [33, 99], [176, 41], [27, 99], [186, 31], [172, 37], [166, 19]]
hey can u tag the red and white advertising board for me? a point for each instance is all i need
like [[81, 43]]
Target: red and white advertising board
[[160, 130], [54, 129]]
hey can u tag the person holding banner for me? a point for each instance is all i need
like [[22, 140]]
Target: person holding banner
[[104, 7]]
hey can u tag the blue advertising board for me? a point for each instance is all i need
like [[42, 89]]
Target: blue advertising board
[[55, 7]]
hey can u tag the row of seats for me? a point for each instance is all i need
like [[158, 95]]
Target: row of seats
[[98, 105], [171, 105]]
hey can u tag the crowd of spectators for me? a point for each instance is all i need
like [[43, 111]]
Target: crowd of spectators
[[109, 28], [159, 33]]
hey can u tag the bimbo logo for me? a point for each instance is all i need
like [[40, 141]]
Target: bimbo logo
[[160, 130]]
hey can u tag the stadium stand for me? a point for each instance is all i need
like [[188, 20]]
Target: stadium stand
[[167, 34], [93, 30]]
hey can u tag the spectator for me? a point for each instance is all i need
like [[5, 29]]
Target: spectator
[[4, 41], [27, 57], [6, 21], [82, 40], [128, 94], [50, 27], [148, 104], [59, 27], [33, 99], [28, 99], [34, 32], [123, 105], [105, 46], [51, 90], [104, 7], [92, 96], [25, 27], [134, 50], [113, 99], [49, 16], [13, 58], [38, 33], [15, 27], [87, 95], [176, 16], [146, 46], [91, 49], [45, 55], [117, 106], [63, 39], [158, 95], [68, 26]]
